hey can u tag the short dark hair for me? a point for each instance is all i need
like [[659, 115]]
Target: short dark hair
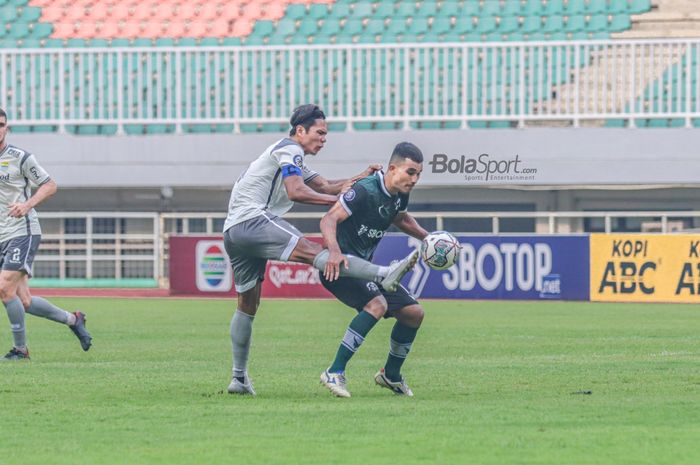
[[2, 113], [306, 116], [406, 150]]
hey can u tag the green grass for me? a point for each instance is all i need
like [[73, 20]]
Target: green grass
[[494, 383]]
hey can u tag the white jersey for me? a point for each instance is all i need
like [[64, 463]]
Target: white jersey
[[260, 188], [19, 171]]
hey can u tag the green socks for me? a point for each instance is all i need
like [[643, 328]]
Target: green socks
[[402, 338], [353, 339]]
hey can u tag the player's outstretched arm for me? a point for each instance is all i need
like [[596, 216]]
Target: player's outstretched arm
[[297, 191], [410, 226], [335, 187], [329, 226], [46, 190]]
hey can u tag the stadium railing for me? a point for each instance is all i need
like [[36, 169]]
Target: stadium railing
[[139, 90], [121, 249]]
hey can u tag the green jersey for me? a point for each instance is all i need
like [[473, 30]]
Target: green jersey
[[372, 210]]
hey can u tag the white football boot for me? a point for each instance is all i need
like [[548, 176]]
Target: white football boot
[[398, 387], [398, 270], [237, 387], [336, 383]]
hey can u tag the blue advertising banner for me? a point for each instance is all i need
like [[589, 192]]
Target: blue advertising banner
[[500, 267]]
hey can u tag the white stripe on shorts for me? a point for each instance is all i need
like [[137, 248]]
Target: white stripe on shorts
[[292, 241]]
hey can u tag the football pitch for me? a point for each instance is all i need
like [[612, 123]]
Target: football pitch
[[495, 383]]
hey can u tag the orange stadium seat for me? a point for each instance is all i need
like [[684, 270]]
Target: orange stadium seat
[[51, 14], [241, 27]]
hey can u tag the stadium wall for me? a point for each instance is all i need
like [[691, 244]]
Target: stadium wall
[[598, 267], [533, 158]]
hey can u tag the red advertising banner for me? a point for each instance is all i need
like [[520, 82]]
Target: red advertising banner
[[199, 265]]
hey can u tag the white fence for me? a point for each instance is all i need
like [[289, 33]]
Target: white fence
[[429, 85], [123, 247]]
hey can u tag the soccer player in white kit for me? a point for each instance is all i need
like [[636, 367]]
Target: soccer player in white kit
[[20, 235], [254, 232]]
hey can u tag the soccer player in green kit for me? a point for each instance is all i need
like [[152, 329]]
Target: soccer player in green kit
[[355, 225]]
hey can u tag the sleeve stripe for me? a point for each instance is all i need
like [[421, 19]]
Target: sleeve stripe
[[310, 177], [345, 205], [45, 181]]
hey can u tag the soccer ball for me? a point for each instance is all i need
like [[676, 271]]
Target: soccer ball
[[439, 250]]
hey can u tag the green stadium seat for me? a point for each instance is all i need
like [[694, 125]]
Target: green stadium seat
[[295, 11], [597, 23], [554, 8], [489, 9], [285, 27], [31, 14], [553, 24], [486, 24], [353, 26], [404, 10], [509, 24], [464, 25], [426, 9], [17, 30], [330, 26], [231, 41], [362, 10], [620, 23], [531, 24], [262, 29], [308, 26], [575, 23], [384, 10], [596, 7], [165, 42], [8, 14], [639, 6], [441, 25], [317, 11], [418, 26], [339, 10], [533, 8], [374, 26], [578, 7], [448, 9]]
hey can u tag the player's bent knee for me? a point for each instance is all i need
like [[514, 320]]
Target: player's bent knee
[[7, 294], [305, 251], [377, 307], [248, 301], [412, 315]]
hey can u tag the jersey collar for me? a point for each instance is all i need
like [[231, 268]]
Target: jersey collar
[[380, 177]]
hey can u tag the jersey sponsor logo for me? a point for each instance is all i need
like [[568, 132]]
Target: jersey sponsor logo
[[369, 232], [213, 270], [14, 152], [34, 172], [4, 164], [349, 195], [5, 177], [298, 160]]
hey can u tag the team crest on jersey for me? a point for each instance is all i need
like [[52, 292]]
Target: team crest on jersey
[[349, 195], [372, 287], [299, 161]]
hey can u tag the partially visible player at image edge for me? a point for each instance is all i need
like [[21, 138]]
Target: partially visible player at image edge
[[20, 235]]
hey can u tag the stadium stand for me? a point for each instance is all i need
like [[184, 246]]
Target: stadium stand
[[87, 24]]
